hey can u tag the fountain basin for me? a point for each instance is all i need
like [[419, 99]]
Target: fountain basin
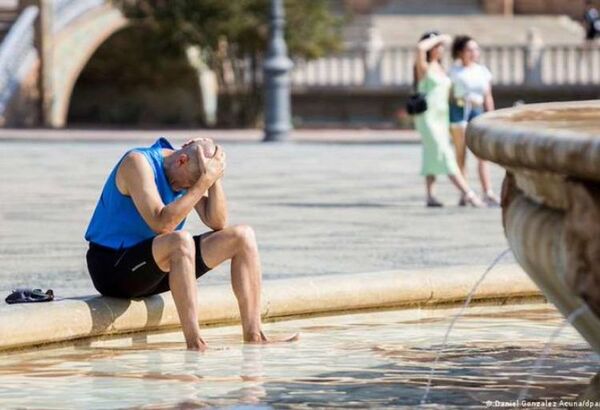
[[368, 360], [72, 320], [551, 198]]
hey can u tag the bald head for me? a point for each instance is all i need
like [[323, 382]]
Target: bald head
[[183, 167], [190, 149], [207, 145]]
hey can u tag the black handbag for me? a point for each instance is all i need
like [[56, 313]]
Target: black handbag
[[416, 104]]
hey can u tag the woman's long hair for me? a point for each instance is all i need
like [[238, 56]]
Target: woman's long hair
[[425, 36]]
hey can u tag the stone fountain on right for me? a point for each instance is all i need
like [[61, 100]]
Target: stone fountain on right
[[551, 198]]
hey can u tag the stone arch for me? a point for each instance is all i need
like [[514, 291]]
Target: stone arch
[[73, 47], [137, 77]]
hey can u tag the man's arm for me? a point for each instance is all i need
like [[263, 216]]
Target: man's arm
[[136, 179], [212, 209]]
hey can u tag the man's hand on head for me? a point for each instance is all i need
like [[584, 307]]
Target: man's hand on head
[[208, 144], [191, 141], [211, 168]]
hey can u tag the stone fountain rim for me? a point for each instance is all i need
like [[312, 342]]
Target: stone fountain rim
[[516, 145], [76, 319]]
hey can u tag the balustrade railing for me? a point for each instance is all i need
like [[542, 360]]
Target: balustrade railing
[[17, 54], [17, 50], [511, 65], [563, 65]]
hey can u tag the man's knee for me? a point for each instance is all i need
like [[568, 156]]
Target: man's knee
[[245, 236], [182, 245]]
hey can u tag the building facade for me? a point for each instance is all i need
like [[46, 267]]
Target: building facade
[[572, 8]]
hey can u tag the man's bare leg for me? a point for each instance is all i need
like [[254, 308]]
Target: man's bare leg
[[176, 253], [238, 243]]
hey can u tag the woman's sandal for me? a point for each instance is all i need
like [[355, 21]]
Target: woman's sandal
[[491, 199], [473, 200]]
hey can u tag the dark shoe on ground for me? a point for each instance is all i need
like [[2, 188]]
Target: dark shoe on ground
[[434, 203]]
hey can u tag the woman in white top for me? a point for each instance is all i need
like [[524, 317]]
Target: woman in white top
[[471, 96]]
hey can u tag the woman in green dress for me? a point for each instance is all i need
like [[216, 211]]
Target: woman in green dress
[[434, 123]]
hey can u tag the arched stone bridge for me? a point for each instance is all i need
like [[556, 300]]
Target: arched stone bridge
[[43, 52]]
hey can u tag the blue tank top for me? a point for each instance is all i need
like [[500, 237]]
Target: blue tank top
[[116, 222]]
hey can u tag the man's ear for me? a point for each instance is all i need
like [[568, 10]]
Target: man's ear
[[182, 160]]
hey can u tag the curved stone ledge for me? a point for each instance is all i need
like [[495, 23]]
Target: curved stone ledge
[[30, 325], [559, 138], [537, 238]]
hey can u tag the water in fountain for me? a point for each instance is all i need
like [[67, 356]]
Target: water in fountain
[[455, 318], [540, 361]]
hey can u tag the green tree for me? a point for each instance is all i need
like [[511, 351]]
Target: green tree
[[233, 36], [312, 29]]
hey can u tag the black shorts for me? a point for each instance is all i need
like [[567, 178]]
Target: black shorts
[[132, 272]]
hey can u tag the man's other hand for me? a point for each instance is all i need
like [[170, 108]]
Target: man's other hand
[[211, 168]]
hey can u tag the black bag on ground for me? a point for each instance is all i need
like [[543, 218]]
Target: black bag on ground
[[28, 295], [416, 104]]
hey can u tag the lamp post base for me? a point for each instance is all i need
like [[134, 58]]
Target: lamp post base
[[277, 136]]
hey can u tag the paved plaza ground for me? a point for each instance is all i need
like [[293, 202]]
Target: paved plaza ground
[[316, 207]]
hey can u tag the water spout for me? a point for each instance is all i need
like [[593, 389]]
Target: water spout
[[454, 319]]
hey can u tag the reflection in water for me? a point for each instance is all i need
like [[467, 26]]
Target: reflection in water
[[540, 360], [252, 374], [455, 318], [375, 359], [593, 390]]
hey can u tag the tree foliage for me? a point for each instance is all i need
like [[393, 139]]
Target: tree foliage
[[311, 32]]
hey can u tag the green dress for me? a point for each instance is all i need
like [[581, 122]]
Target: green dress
[[434, 125]]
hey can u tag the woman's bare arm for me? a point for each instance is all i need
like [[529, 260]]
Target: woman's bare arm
[[423, 46], [488, 101]]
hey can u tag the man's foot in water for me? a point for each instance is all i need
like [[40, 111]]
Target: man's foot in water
[[196, 343], [260, 338]]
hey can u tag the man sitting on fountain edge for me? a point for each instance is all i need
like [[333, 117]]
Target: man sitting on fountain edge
[[137, 247]]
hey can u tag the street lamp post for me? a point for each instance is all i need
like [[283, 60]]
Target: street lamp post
[[276, 68]]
